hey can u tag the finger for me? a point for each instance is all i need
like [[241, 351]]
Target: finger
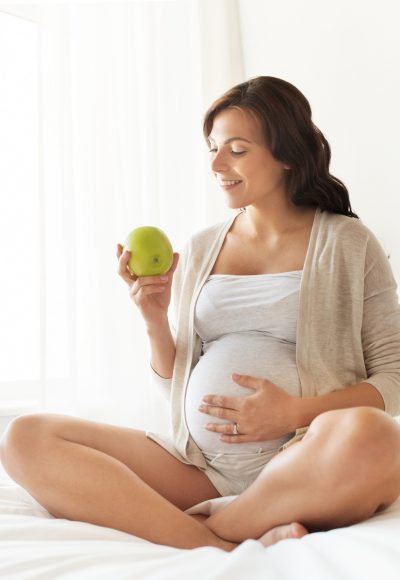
[[232, 439], [123, 269], [223, 428], [248, 381], [173, 267], [223, 401], [143, 281], [219, 412], [175, 262], [141, 291], [120, 249], [148, 284]]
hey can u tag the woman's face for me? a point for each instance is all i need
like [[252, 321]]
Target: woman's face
[[238, 153]]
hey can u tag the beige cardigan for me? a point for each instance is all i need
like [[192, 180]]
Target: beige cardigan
[[348, 328]]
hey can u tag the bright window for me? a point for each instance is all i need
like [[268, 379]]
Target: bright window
[[20, 209]]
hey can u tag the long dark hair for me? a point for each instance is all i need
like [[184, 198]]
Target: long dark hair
[[293, 139]]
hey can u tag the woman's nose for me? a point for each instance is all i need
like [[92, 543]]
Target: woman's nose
[[219, 162]]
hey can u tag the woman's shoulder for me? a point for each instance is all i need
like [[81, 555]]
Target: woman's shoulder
[[350, 231], [346, 225]]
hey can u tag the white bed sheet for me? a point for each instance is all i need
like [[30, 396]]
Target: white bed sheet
[[34, 545]]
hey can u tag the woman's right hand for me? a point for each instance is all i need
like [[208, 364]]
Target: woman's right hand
[[151, 294]]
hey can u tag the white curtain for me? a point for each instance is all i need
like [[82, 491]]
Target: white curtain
[[122, 91]]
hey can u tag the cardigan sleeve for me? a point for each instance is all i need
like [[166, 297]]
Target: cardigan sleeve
[[381, 326], [163, 385]]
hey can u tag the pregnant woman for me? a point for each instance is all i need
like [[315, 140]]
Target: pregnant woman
[[281, 359]]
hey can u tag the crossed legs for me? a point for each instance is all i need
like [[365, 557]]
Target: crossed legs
[[345, 468], [109, 476]]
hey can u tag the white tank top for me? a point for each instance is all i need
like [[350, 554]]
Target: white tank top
[[247, 325]]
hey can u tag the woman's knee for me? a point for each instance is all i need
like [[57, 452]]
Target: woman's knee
[[363, 422], [360, 437], [23, 438]]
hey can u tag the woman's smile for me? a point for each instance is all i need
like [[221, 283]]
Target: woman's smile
[[227, 185]]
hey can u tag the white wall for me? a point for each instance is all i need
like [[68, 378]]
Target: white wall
[[344, 56]]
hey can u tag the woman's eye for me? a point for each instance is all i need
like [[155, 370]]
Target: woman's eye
[[233, 152]]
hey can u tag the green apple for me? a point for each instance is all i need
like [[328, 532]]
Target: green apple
[[151, 251]]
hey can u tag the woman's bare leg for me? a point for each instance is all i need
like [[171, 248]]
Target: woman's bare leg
[[109, 476], [345, 469]]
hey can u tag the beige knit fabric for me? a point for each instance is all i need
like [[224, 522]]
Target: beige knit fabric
[[348, 328]]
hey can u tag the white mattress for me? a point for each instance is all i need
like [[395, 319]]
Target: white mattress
[[35, 545]]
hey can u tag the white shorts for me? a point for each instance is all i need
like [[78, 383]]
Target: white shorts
[[230, 473]]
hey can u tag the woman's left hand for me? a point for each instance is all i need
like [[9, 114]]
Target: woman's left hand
[[267, 414]]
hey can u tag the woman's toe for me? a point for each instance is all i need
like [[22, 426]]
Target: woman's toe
[[298, 531], [294, 530]]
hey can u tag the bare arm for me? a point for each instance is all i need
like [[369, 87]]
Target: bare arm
[[152, 295], [361, 394], [271, 412]]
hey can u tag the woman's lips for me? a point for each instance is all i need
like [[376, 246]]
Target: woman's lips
[[227, 187]]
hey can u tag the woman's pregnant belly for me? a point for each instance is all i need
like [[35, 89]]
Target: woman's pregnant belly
[[251, 353]]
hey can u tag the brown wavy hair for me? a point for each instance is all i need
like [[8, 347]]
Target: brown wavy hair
[[292, 137]]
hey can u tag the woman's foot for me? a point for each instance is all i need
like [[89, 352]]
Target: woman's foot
[[273, 536]]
